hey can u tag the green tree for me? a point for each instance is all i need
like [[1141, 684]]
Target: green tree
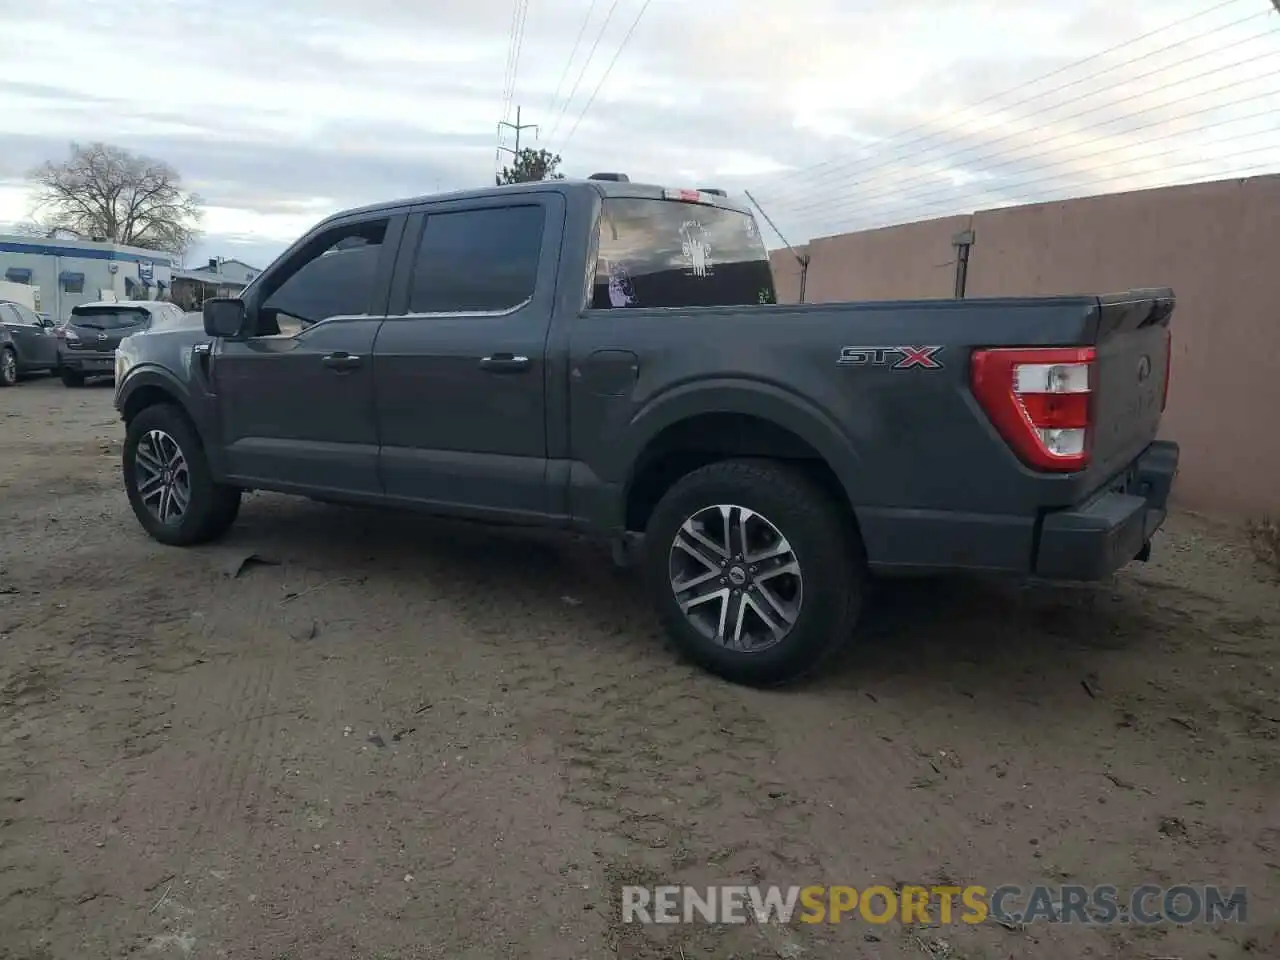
[[530, 165]]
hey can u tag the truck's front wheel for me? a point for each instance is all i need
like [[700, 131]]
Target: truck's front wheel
[[755, 572], [168, 481]]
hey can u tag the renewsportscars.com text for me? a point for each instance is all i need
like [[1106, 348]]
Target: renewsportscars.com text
[[1104, 904]]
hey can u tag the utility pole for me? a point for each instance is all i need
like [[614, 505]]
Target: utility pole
[[518, 126]]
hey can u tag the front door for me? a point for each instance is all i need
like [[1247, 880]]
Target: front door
[[37, 347], [295, 399], [460, 392]]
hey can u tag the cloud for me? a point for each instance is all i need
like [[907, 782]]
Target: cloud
[[836, 115]]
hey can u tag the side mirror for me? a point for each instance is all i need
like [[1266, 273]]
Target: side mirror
[[224, 317]]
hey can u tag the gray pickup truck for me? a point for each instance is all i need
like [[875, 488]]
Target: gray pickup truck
[[608, 357]]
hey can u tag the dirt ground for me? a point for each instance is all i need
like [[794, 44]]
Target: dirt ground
[[406, 738]]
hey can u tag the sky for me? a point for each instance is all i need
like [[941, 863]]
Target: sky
[[836, 115]]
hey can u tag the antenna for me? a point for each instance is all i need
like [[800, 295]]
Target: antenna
[[801, 258]]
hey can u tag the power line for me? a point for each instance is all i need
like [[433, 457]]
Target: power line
[[590, 56], [894, 195], [506, 68], [872, 169], [972, 161], [568, 64], [519, 14], [1052, 73], [1253, 170], [922, 207], [837, 166], [1263, 168], [609, 69], [931, 189]]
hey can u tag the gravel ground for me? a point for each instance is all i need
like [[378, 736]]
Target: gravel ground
[[404, 738]]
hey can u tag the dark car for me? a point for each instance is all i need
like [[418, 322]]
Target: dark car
[[606, 357], [27, 343], [90, 336]]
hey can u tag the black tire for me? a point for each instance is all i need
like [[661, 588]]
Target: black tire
[[8, 367], [822, 538], [212, 507], [71, 378]]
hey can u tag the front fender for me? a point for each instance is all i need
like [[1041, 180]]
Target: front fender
[[150, 375], [766, 401], [157, 379]]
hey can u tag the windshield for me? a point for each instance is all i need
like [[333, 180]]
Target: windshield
[[108, 318], [666, 253]]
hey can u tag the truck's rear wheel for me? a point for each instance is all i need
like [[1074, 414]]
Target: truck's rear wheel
[[168, 480], [755, 572]]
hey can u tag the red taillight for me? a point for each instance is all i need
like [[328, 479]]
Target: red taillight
[[1039, 399], [1168, 367]]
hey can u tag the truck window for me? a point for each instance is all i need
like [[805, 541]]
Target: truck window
[[477, 261], [666, 253], [335, 278]]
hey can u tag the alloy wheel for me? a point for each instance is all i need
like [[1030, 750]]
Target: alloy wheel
[[163, 478], [8, 366], [736, 578]]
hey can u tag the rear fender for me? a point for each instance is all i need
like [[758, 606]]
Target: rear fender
[[765, 401]]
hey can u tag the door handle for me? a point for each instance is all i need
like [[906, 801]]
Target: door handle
[[341, 361], [505, 363]]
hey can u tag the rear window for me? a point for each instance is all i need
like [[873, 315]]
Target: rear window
[[107, 318], [666, 253]]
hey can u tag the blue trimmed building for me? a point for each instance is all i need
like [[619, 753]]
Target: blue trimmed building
[[70, 272]]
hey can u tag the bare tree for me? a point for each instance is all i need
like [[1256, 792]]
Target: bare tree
[[106, 192]]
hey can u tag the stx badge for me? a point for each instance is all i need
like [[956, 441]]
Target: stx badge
[[895, 358]]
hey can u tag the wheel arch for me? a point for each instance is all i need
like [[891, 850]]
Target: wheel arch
[[147, 387], [687, 430]]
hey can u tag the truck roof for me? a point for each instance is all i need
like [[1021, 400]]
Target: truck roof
[[604, 188]]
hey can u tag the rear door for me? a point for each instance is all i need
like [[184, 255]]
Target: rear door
[[461, 385], [654, 255]]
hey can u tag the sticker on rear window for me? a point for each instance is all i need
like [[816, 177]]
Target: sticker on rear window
[[622, 292], [695, 245]]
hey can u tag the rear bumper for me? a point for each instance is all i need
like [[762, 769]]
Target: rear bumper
[[1087, 542], [1097, 538], [89, 363]]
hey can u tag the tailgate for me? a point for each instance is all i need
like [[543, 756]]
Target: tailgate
[[1132, 341]]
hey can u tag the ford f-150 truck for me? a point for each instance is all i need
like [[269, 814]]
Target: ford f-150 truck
[[609, 357]]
